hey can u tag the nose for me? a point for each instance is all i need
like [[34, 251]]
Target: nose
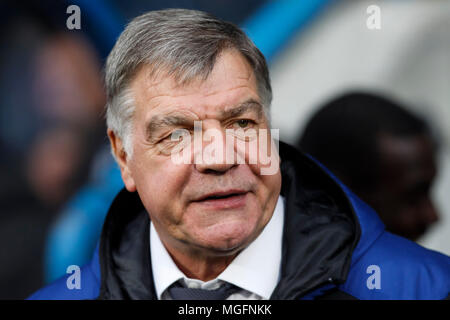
[[214, 168], [213, 153], [214, 158]]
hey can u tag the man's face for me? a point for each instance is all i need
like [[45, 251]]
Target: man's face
[[209, 209], [407, 172]]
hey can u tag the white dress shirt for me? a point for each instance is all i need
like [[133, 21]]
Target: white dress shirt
[[256, 269]]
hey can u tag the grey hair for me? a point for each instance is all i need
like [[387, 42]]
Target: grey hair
[[184, 44]]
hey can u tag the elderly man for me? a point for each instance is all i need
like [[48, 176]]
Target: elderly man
[[237, 224]]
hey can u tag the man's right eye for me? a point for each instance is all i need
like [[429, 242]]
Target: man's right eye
[[177, 135]]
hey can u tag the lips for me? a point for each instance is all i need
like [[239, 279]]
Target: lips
[[223, 199], [221, 195]]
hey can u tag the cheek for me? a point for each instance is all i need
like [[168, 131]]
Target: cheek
[[269, 177], [160, 184], [266, 168], [271, 189], [267, 193], [266, 160]]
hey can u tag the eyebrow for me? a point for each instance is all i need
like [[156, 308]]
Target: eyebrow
[[157, 122], [160, 121], [249, 105]]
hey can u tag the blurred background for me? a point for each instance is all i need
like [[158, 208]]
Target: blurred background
[[57, 177]]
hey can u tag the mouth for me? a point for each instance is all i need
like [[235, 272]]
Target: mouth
[[221, 195], [224, 199]]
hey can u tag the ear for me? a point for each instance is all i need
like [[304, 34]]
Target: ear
[[122, 159]]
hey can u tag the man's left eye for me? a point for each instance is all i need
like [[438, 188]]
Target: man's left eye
[[243, 123]]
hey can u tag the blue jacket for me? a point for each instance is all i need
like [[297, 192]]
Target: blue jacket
[[334, 247]]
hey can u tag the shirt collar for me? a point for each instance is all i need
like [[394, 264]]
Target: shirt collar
[[247, 270]]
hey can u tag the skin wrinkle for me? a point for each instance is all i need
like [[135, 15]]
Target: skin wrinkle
[[147, 84], [172, 48], [202, 241], [149, 81], [161, 122], [153, 80], [176, 119]]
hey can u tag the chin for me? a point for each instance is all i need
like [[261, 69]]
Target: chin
[[228, 240]]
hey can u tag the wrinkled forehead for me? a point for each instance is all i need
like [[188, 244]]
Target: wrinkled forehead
[[231, 81]]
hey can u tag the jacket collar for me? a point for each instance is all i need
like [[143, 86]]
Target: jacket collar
[[321, 235]]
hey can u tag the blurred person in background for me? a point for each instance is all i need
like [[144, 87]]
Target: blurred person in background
[[383, 152], [50, 105], [55, 165]]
